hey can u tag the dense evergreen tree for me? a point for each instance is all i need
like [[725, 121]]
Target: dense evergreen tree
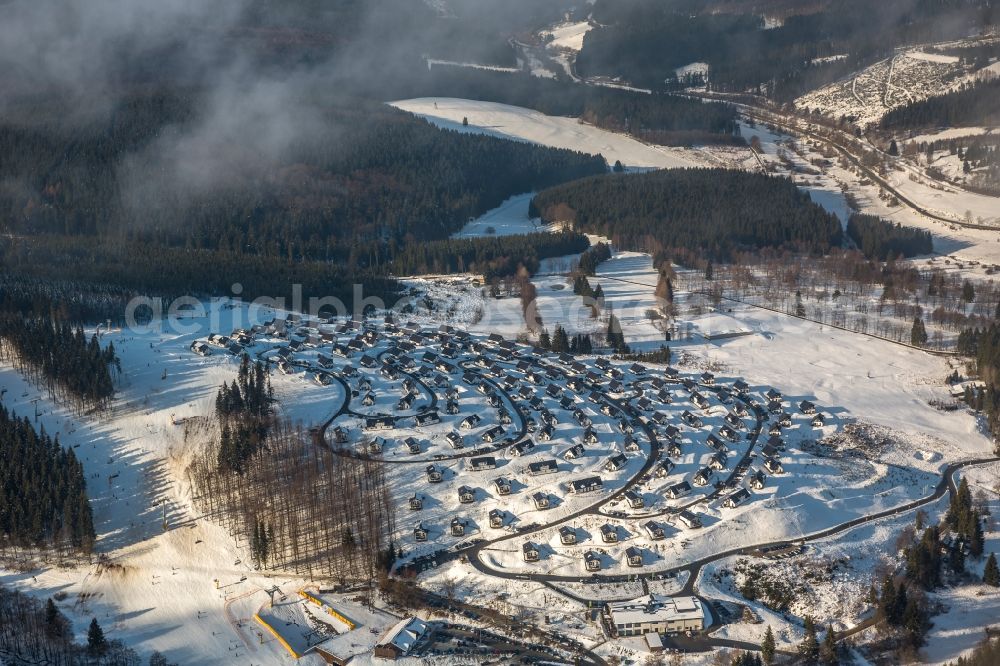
[[973, 105], [983, 345], [615, 336], [61, 358], [746, 659], [245, 411], [918, 333], [696, 212], [883, 240], [43, 493], [991, 573], [560, 341], [97, 644], [968, 292], [646, 41], [829, 654], [767, 647], [923, 560], [337, 210], [491, 256], [581, 344], [592, 258], [809, 647]]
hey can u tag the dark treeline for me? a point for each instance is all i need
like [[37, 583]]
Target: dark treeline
[[61, 358], [882, 240], [659, 118], [644, 41], [321, 513], [983, 345], [175, 271], [244, 410], [711, 212], [491, 256], [975, 104], [60, 300], [36, 632], [43, 494]]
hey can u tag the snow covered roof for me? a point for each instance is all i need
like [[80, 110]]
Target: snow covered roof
[[656, 608], [405, 634]]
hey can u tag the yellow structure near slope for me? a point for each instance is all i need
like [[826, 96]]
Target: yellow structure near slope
[[330, 611], [275, 633]]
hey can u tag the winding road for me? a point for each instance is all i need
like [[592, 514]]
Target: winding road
[[474, 551]]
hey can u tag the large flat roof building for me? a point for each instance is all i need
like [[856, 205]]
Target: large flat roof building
[[656, 613]]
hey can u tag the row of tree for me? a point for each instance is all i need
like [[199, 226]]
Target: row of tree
[[43, 492], [302, 507], [33, 632], [560, 342], [128, 267], [709, 212], [73, 368], [490, 256]]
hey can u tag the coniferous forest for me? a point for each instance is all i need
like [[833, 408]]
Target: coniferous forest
[[335, 209], [645, 41], [882, 240], [72, 368], [244, 410], [60, 299], [704, 212], [975, 104], [43, 494], [490, 256]]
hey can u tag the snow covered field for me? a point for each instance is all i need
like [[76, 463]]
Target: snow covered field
[[568, 36], [514, 122], [509, 218], [158, 590], [189, 593]]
